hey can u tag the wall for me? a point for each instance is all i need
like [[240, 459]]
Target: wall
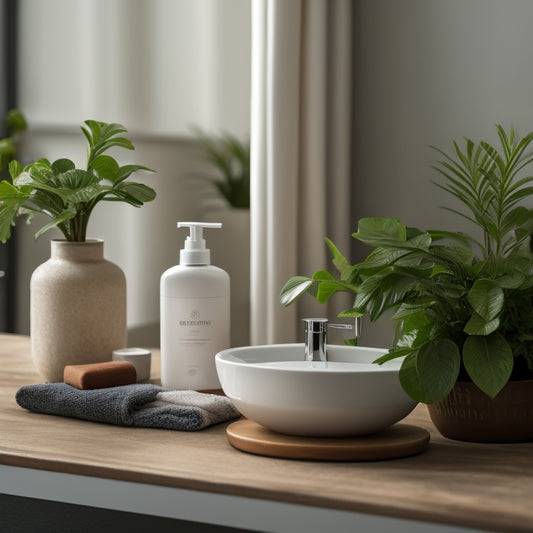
[[427, 72], [158, 67]]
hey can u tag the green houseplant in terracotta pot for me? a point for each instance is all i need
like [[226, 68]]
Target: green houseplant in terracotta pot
[[78, 299], [463, 302]]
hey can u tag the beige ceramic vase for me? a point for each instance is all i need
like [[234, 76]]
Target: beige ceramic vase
[[78, 308]]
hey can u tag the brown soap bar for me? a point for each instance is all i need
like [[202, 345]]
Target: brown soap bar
[[100, 375]]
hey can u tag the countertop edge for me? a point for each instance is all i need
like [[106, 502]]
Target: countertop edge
[[494, 523]]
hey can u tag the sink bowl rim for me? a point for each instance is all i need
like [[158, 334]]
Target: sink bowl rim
[[392, 366]]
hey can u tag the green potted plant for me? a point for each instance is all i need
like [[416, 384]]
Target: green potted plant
[[78, 299], [67, 195], [463, 302]]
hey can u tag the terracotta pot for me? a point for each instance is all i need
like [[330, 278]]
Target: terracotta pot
[[468, 414], [78, 308]]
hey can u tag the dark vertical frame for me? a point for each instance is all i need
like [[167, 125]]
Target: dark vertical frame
[[8, 77], [353, 215], [10, 24]]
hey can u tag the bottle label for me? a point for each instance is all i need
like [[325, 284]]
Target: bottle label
[[193, 331], [196, 326]]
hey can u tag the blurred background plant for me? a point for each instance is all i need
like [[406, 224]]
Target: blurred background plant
[[230, 158], [14, 123]]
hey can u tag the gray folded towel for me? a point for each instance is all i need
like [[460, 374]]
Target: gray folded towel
[[140, 405]]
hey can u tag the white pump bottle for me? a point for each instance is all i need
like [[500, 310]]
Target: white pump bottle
[[195, 315]]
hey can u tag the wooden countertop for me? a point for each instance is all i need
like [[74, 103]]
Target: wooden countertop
[[471, 485]]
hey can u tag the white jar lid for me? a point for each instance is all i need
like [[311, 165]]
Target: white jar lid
[[140, 358]]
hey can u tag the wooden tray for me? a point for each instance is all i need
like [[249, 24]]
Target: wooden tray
[[400, 440]]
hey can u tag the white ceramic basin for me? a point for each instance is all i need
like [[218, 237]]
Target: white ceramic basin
[[273, 386]]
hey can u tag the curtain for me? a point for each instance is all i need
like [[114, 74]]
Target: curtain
[[8, 20], [300, 154]]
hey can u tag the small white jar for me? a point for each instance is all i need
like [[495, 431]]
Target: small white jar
[[140, 358]]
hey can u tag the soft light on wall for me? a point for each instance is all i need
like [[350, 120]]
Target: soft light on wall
[[158, 66]]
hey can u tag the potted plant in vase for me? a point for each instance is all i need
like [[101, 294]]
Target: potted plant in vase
[[463, 303], [78, 299]]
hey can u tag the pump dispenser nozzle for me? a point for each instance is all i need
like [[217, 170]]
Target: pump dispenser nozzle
[[194, 251]]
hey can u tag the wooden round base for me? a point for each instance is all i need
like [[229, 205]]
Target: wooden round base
[[400, 440]]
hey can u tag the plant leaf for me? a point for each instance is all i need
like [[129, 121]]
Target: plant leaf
[[440, 269], [380, 257], [95, 131], [486, 298], [64, 216], [11, 199], [106, 167], [121, 142], [139, 191], [380, 231], [510, 281], [488, 361], [15, 168], [477, 325], [328, 285], [15, 121], [352, 342], [414, 337], [294, 288], [74, 180], [7, 147], [323, 275], [350, 313], [429, 374], [407, 309], [62, 165], [127, 170], [339, 260], [326, 289], [438, 363], [39, 172]]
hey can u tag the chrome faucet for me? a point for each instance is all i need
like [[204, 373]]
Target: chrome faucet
[[315, 338]]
